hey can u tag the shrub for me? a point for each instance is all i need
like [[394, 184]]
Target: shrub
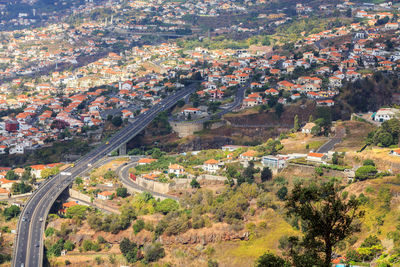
[[4, 258], [194, 183], [129, 250], [69, 246], [11, 212], [101, 240], [153, 252], [270, 260], [177, 225], [55, 249], [212, 263], [89, 245], [122, 192], [366, 172], [353, 255], [369, 162], [138, 226], [319, 171], [99, 260], [198, 222], [149, 226], [167, 205], [282, 192], [49, 231], [266, 174]]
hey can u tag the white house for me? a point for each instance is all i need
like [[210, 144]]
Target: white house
[[37, 170], [3, 149], [176, 169], [104, 195], [395, 152], [144, 161], [6, 184], [231, 148], [17, 149], [249, 155], [4, 192], [192, 111], [127, 114], [211, 165], [391, 26], [316, 157], [274, 162], [385, 114]]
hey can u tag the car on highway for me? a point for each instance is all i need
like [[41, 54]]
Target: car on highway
[[54, 185]]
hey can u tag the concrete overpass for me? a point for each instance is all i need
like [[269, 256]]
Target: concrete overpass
[[29, 247]]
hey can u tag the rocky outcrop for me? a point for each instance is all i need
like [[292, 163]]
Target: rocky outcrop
[[202, 238]]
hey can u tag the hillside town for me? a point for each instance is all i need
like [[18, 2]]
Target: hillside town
[[209, 133], [38, 110]]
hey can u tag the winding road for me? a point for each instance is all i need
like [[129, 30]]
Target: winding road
[[29, 247], [123, 174]]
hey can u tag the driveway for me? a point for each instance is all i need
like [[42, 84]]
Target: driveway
[[330, 144]]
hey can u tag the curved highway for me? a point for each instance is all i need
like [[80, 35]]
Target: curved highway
[[28, 249]]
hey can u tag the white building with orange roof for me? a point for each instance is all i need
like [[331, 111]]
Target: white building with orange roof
[[3, 149], [176, 169], [4, 192], [317, 157], [6, 184], [144, 161], [127, 114], [37, 170], [211, 165], [249, 155], [105, 195]]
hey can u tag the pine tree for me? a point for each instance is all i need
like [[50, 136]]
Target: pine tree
[[296, 126]]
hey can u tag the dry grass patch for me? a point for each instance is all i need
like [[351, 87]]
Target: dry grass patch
[[356, 134], [298, 142]]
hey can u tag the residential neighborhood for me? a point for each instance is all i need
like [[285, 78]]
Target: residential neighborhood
[[199, 133]]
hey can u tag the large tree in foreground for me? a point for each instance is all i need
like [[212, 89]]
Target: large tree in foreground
[[327, 217]]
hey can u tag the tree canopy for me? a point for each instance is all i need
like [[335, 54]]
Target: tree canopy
[[327, 218]]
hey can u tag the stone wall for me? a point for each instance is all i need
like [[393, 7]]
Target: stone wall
[[78, 195], [155, 186], [177, 184], [184, 129]]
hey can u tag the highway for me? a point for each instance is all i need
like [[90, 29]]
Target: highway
[[29, 248]]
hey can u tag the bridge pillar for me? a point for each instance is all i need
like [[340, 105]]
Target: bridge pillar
[[122, 150]]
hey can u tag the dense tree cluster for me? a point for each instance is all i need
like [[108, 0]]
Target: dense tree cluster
[[386, 135], [20, 188], [11, 212], [366, 94]]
